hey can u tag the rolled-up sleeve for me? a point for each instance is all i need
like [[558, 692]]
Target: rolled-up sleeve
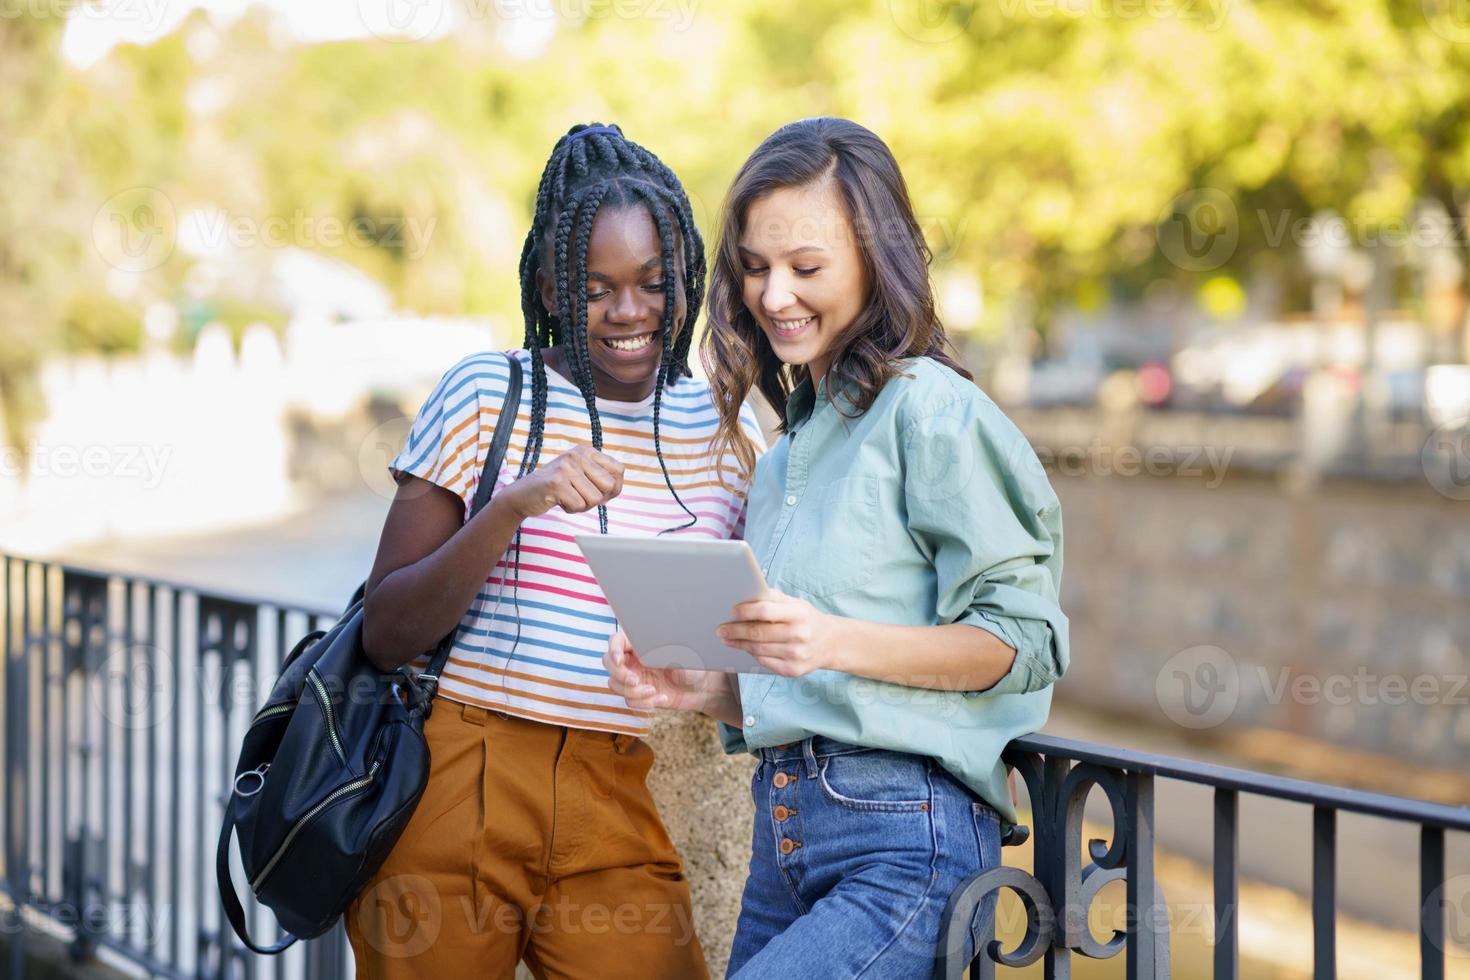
[[982, 510]]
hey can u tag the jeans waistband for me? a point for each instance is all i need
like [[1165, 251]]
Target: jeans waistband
[[819, 746]]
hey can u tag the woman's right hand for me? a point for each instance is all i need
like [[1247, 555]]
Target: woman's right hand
[[575, 481], [677, 689]]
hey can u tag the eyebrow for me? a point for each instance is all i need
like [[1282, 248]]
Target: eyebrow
[[787, 254], [649, 266]]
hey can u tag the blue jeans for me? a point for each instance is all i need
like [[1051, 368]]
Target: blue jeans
[[854, 855]]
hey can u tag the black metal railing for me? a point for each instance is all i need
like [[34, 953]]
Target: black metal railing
[[1060, 774], [125, 700]]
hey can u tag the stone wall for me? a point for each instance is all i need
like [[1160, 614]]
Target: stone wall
[[1341, 613], [704, 796]]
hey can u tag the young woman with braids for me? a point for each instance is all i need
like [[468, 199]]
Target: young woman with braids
[[537, 839], [915, 548]]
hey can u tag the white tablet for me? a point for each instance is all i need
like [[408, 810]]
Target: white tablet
[[671, 595]]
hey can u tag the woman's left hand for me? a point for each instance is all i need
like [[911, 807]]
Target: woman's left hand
[[786, 635]]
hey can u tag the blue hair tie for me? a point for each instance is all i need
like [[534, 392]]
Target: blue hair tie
[[613, 130]]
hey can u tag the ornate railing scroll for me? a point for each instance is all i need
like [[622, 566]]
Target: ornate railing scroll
[[1067, 879]]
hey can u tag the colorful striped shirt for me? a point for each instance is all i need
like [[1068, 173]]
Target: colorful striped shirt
[[553, 673]]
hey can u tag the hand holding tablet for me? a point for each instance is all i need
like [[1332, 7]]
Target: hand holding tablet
[[671, 596]]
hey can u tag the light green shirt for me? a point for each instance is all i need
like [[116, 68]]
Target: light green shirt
[[930, 508]]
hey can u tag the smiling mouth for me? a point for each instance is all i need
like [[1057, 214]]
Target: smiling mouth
[[629, 345], [790, 328]]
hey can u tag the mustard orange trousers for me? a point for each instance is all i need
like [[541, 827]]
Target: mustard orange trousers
[[532, 842]]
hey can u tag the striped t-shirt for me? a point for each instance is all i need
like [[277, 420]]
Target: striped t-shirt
[[554, 672]]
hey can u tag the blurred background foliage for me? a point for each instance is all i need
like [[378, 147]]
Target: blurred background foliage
[[1043, 141]]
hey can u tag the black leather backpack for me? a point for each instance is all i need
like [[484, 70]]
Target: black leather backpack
[[332, 767]]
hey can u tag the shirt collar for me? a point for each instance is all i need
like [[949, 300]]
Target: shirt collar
[[804, 401], [799, 404]]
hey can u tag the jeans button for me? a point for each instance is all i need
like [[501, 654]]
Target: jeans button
[[788, 845], [781, 813], [780, 780]]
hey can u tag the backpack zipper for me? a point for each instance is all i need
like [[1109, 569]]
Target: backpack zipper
[[271, 712], [336, 794], [325, 699]]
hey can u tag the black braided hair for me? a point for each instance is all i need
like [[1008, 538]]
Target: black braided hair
[[673, 351], [594, 167]]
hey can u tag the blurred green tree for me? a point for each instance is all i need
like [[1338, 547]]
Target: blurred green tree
[[35, 246], [1049, 144]]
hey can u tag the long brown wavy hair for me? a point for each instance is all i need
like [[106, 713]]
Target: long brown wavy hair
[[898, 319]]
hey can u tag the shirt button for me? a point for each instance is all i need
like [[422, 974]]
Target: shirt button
[[791, 500], [781, 779], [749, 721]]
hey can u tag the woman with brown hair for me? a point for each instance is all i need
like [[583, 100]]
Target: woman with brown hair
[[916, 546]]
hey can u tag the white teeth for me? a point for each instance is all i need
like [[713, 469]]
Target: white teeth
[[791, 326], [636, 343]]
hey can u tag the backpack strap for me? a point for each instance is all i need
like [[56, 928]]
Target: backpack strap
[[493, 460], [501, 440], [234, 911]]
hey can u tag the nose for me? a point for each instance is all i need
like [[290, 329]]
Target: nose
[[777, 294], [629, 306]]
